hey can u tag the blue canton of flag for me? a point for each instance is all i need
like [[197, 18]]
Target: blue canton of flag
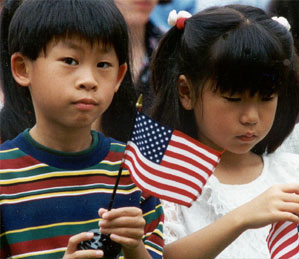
[[151, 138]]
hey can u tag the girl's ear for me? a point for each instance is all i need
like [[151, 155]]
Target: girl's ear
[[121, 74], [185, 92], [19, 69]]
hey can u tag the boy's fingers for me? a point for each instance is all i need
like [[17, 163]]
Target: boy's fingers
[[120, 212], [125, 241], [85, 254], [75, 240], [72, 248], [133, 222], [102, 211], [136, 233]]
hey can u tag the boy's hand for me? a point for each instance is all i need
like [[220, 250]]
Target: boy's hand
[[125, 225], [72, 251]]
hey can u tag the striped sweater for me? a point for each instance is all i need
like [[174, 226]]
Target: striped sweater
[[47, 196]]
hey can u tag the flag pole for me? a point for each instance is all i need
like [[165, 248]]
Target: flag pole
[[139, 108]]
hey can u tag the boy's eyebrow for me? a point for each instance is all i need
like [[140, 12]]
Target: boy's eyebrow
[[73, 45]]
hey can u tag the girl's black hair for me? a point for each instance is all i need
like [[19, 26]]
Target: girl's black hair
[[241, 49], [289, 10], [27, 26]]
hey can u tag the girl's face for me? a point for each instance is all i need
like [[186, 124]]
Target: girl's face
[[71, 84], [235, 123]]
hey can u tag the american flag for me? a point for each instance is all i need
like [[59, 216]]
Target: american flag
[[167, 163], [283, 240]]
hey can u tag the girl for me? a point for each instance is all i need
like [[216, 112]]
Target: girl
[[226, 76], [71, 59]]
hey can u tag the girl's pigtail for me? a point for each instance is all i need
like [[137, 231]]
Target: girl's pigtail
[[167, 107], [17, 113], [164, 81]]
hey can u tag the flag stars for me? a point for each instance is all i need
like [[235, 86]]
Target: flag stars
[[151, 138]]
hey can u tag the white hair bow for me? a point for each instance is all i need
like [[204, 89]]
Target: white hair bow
[[283, 21], [174, 16]]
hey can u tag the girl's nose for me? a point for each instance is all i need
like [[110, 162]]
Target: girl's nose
[[249, 115]]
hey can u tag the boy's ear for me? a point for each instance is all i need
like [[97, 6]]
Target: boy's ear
[[185, 92], [121, 74], [19, 69]]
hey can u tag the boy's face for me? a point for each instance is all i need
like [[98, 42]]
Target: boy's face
[[73, 83]]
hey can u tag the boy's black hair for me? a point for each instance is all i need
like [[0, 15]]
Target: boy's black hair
[[28, 26], [239, 48]]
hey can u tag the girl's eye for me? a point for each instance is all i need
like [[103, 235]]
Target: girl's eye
[[267, 98], [70, 61], [232, 99], [104, 65]]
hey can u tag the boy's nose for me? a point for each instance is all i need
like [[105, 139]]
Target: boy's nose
[[87, 81]]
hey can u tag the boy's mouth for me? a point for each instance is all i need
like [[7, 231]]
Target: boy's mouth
[[85, 104]]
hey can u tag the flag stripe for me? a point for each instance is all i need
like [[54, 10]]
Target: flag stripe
[[161, 171], [283, 240], [186, 163], [161, 193], [196, 152], [154, 176], [201, 148]]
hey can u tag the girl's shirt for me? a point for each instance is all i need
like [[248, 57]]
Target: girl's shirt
[[48, 196], [218, 199]]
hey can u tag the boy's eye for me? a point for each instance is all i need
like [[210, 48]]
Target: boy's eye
[[70, 61], [103, 65]]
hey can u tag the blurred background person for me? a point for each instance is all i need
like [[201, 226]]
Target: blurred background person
[[202, 4], [144, 36]]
